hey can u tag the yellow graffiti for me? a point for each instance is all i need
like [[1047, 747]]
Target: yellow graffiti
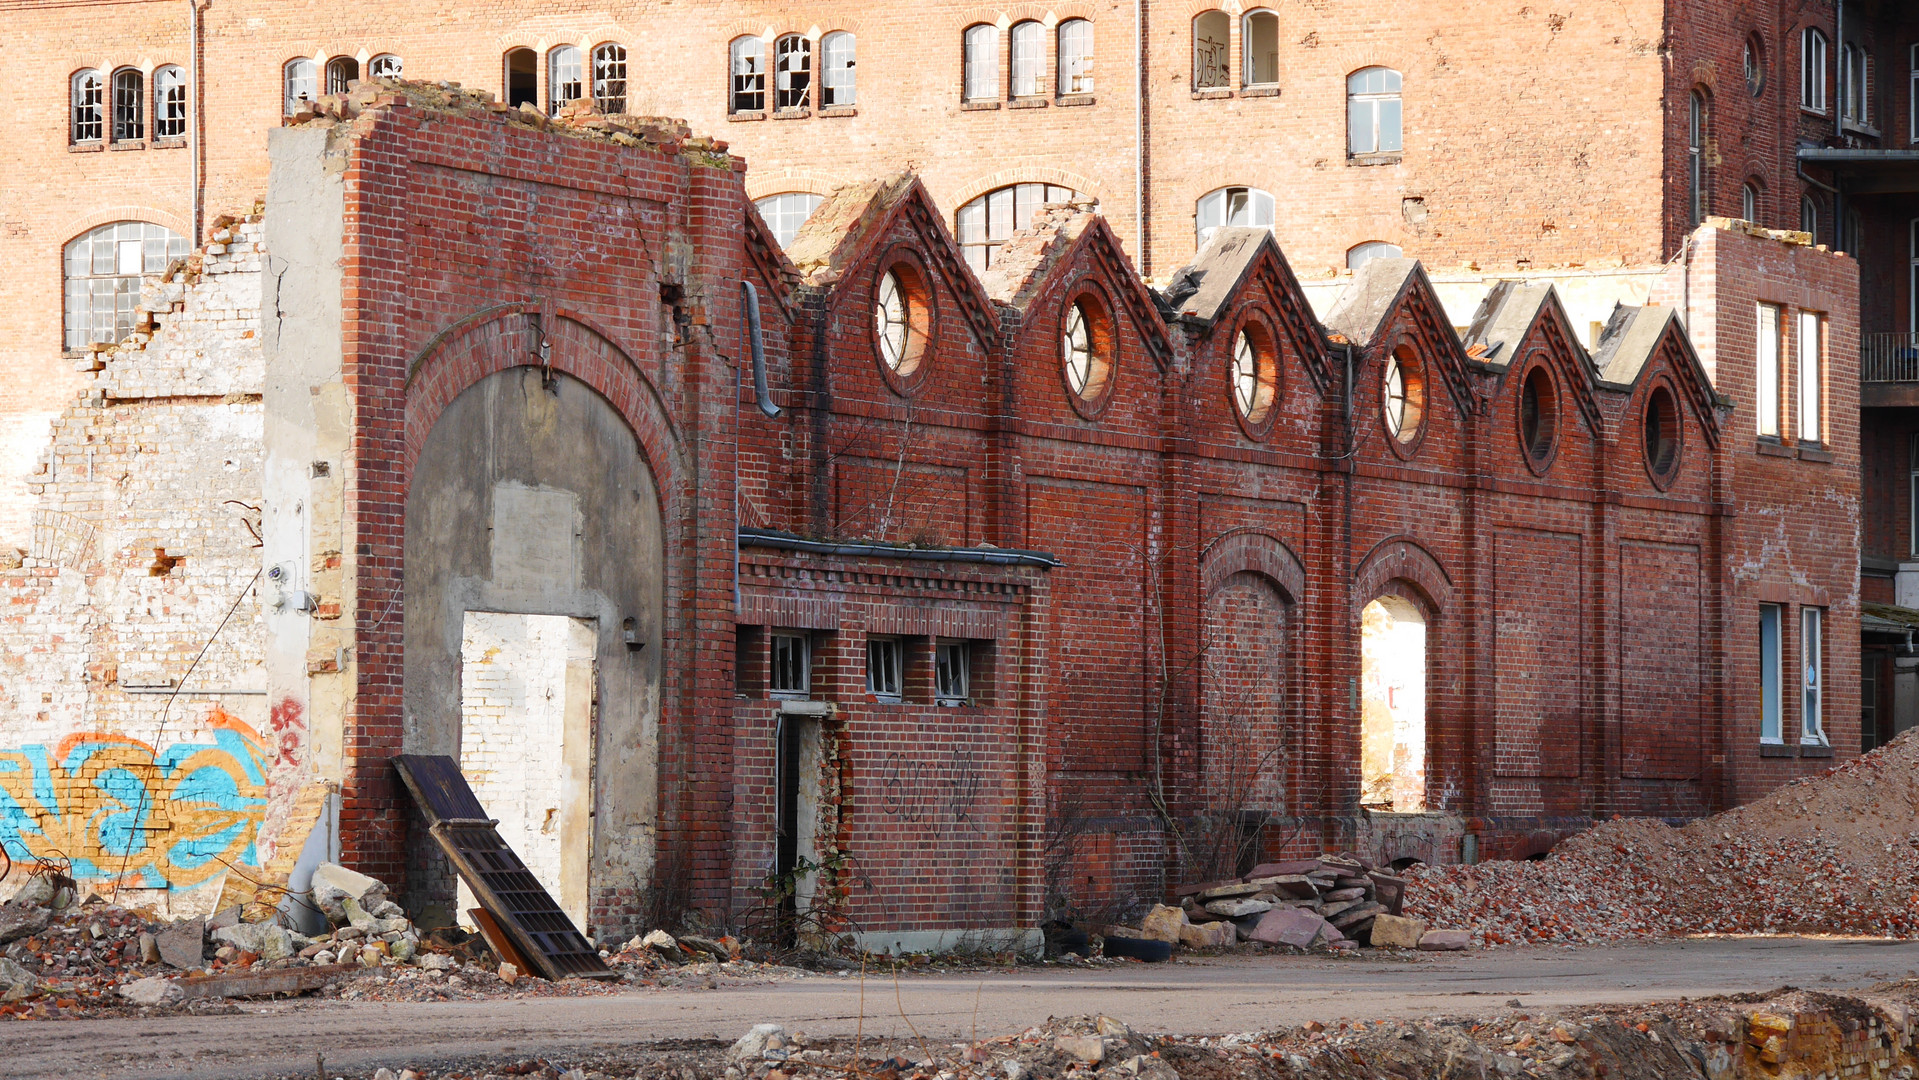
[[119, 812]]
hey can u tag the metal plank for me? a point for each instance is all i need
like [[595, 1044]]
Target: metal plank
[[522, 907]]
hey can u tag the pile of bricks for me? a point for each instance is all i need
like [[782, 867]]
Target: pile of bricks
[[1334, 901]]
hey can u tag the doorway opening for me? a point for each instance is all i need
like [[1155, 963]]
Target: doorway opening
[[526, 743], [1392, 670], [797, 854], [522, 78]]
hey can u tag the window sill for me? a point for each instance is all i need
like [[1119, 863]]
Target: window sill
[[1212, 93], [978, 106], [743, 117], [1074, 99], [840, 110], [1770, 447], [1773, 749], [1028, 103], [1814, 750], [1867, 130], [800, 113], [129, 145], [1259, 91], [179, 143], [1815, 453], [1810, 111], [1372, 159], [885, 699], [85, 148]]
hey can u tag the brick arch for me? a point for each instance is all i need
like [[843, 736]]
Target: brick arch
[[759, 186], [1400, 561], [980, 185], [500, 338], [154, 215], [1247, 551]]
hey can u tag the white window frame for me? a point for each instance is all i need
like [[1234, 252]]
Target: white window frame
[[1213, 64], [979, 48], [1027, 50], [952, 673], [1370, 107], [839, 84], [341, 73], [785, 211], [1231, 207], [565, 77], [87, 120], [1912, 489], [792, 73], [609, 77], [299, 83], [1749, 201], [1812, 717], [1074, 66], [386, 66], [746, 62], [1360, 254], [1696, 120], [886, 668], [1769, 322], [986, 221], [798, 645], [1813, 47], [1811, 376], [1249, 74], [101, 272], [1809, 216], [1912, 96], [1772, 622], [170, 103]]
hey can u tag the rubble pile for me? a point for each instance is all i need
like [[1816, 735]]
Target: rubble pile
[[1337, 902], [1836, 853]]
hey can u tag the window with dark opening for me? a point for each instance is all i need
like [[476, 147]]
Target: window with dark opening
[[793, 71], [523, 78], [884, 659], [952, 673], [1661, 432], [129, 105], [385, 66], [748, 55], [609, 78], [341, 73], [1538, 416], [791, 673], [563, 76]]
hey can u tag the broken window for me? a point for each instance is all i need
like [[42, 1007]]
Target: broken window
[[902, 318], [88, 93], [562, 78], [836, 70], [786, 212], [986, 222], [103, 268], [1696, 157], [523, 78], [1075, 57], [792, 667], [1769, 670], [609, 78], [1361, 254], [884, 659], [129, 105], [749, 75], [169, 103], [1812, 70], [1239, 207], [341, 73], [1212, 34], [1765, 391], [793, 71], [1812, 727], [1811, 382], [952, 673], [299, 84], [1259, 35], [1029, 57], [1373, 112], [981, 63], [385, 66]]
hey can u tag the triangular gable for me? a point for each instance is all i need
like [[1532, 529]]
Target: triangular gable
[[1634, 337], [1519, 316], [1232, 259], [850, 227], [1387, 291], [1058, 239], [777, 273], [1676, 352]]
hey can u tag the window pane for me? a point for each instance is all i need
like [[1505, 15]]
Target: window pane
[[982, 63], [749, 74], [836, 70], [1029, 46], [1809, 378], [1766, 371], [1389, 134], [1812, 722], [1075, 57], [1359, 125], [1769, 673]]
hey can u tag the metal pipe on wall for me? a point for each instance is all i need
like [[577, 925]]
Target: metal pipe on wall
[[196, 126]]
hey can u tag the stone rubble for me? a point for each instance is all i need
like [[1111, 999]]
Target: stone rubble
[[1334, 902]]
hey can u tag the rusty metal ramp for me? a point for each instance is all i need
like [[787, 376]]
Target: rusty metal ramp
[[506, 889]]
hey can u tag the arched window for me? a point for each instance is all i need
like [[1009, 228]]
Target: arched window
[[792, 71], [1809, 217], [1696, 157], [1403, 395], [523, 78], [89, 93], [1855, 95], [981, 63], [1372, 112], [985, 223], [1212, 42], [1255, 373], [341, 73], [837, 57], [786, 212], [562, 77], [1075, 57], [1812, 69], [385, 66], [1660, 428], [103, 267], [169, 103], [1259, 49], [299, 80], [1749, 201], [749, 75], [1086, 349], [1231, 206], [1029, 58], [1361, 254], [129, 105], [1755, 65], [609, 78]]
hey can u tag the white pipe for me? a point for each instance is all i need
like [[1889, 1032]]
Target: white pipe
[[1139, 136], [193, 115]]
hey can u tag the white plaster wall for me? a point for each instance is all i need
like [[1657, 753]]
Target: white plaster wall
[[1588, 296]]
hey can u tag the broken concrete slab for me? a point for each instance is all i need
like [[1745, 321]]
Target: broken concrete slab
[[753, 1045], [288, 980], [1283, 869], [1088, 1048], [1298, 886], [1212, 935], [153, 990], [19, 920], [333, 883], [265, 940], [184, 945], [13, 975], [1444, 940], [1162, 923], [1227, 892], [1288, 926], [1394, 932], [1233, 909]]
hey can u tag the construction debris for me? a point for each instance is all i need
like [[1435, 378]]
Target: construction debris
[[1335, 902], [1836, 853]]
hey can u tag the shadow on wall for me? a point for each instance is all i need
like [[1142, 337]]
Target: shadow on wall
[[122, 813]]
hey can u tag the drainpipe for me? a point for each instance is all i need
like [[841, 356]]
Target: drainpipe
[[1139, 139], [195, 127], [1839, 122]]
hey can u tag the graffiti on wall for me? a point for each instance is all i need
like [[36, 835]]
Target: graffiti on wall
[[123, 813]]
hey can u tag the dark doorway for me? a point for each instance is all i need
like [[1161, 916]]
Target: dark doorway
[[522, 78]]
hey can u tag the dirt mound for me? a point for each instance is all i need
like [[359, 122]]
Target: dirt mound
[[1835, 853]]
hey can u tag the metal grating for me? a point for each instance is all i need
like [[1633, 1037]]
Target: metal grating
[[505, 887]]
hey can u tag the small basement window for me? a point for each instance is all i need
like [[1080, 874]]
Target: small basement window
[[952, 673], [792, 669], [885, 657]]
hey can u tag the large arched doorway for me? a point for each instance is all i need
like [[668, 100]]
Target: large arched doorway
[[534, 608], [1243, 735], [1392, 666]]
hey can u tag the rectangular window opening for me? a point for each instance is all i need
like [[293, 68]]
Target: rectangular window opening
[[792, 666], [1812, 642], [1769, 669], [884, 659], [953, 673], [1811, 377], [1766, 371]]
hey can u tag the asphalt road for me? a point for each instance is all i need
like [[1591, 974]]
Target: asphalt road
[[1189, 997]]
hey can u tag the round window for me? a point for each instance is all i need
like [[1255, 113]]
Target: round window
[[1085, 350], [1661, 429], [1404, 393], [1755, 63], [1538, 417], [900, 320], [1254, 374]]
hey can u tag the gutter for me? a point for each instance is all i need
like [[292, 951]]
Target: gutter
[[785, 541]]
